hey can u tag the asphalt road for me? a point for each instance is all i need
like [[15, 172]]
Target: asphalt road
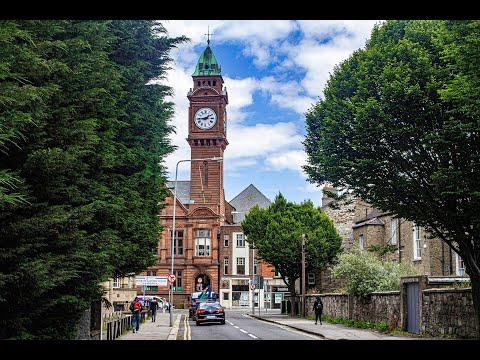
[[239, 326]]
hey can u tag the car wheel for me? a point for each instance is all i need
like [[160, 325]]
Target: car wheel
[[222, 322], [198, 323]]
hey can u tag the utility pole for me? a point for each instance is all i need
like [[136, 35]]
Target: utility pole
[[253, 279], [303, 276]]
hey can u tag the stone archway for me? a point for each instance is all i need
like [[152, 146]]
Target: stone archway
[[202, 281]]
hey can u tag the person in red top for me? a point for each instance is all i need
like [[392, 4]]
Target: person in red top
[[136, 309]]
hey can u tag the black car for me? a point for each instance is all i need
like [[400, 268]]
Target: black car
[[210, 312]]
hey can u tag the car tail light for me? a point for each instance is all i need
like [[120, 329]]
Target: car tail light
[[200, 311], [219, 311]]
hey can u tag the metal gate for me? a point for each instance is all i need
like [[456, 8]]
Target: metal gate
[[413, 308]]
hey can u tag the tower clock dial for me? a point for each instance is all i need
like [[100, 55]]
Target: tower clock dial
[[205, 118]]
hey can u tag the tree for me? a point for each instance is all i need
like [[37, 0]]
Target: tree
[[399, 127], [88, 132], [276, 233]]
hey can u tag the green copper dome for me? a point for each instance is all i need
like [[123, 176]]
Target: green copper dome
[[207, 64]]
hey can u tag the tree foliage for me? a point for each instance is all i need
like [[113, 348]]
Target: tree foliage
[[399, 125], [363, 272], [276, 233], [83, 133]]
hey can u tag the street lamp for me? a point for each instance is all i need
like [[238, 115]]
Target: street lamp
[[172, 244]]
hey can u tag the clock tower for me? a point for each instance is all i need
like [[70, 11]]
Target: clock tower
[[207, 132]]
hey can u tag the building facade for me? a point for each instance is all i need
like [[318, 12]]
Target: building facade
[[358, 223]]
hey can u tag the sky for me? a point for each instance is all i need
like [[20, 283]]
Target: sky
[[274, 72]]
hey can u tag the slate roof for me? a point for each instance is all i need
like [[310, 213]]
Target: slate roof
[[183, 190], [374, 221], [247, 199]]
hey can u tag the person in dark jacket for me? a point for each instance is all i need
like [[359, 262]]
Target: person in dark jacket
[[136, 309], [154, 308], [318, 309]]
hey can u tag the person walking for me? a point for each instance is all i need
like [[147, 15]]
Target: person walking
[[318, 308], [136, 309], [154, 308]]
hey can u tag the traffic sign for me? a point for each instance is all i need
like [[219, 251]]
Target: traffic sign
[[171, 278], [151, 280], [199, 280], [253, 286]]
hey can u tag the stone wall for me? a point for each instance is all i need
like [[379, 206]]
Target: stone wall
[[448, 312], [379, 306]]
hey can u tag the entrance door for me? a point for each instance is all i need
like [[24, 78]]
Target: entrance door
[[413, 308], [201, 282]]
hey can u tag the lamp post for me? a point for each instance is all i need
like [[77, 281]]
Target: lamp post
[[303, 276], [172, 242]]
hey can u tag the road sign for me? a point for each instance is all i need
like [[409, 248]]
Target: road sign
[[171, 278], [253, 286], [199, 280], [151, 280]]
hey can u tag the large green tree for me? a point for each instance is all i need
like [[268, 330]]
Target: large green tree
[[276, 233], [83, 134], [399, 126]]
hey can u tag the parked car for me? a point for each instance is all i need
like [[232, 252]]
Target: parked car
[[210, 312], [193, 304]]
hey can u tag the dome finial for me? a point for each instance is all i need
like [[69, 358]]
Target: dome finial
[[208, 35]]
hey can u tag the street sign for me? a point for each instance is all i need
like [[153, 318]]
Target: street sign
[[171, 278], [199, 280], [151, 280], [253, 286]]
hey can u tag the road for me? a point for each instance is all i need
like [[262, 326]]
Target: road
[[239, 326]]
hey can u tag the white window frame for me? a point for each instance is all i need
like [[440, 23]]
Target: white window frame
[[459, 266], [417, 246], [241, 262], [276, 273], [393, 231], [240, 240], [311, 278], [226, 238], [116, 283], [225, 266], [361, 241], [202, 242]]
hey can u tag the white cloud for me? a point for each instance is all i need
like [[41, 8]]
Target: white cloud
[[289, 160]]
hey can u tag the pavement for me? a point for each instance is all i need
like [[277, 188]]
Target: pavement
[[161, 330]]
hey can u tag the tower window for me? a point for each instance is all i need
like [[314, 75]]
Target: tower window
[[198, 83], [214, 142], [208, 142], [195, 142], [201, 142], [205, 172], [203, 82], [209, 83], [206, 66], [214, 82]]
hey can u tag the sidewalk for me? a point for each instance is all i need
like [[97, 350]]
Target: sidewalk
[[328, 331], [158, 330]]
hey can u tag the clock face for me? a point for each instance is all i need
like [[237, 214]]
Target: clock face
[[205, 118]]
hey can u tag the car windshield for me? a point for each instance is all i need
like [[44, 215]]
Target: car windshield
[[205, 305]]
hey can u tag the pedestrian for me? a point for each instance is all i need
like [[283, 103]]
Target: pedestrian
[[136, 309], [318, 309], [154, 308]]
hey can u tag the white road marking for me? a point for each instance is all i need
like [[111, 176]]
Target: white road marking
[[253, 336], [235, 326], [244, 331]]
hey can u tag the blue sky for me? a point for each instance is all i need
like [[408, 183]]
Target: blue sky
[[274, 71]]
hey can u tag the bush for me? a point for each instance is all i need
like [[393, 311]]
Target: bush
[[363, 273]]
